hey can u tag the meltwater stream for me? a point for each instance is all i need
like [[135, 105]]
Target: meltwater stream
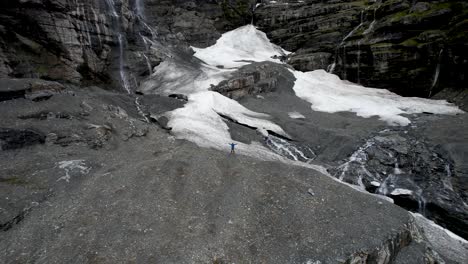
[[289, 149]]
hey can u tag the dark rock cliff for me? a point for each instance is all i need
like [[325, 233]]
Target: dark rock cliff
[[414, 48], [56, 39]]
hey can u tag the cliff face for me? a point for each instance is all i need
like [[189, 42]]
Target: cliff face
[[411, 47], [56, 39], [414, 48], [108, 42]]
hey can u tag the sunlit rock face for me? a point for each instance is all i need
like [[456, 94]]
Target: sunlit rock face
[[414, 48]]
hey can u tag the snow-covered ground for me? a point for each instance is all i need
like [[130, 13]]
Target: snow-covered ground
[[240, 47], [327, 93], [200, 121]]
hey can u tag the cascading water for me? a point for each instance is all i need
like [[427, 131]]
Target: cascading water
[[372, 24], [123, 74], [435, 79], [140, 9], [331, 68], [366, 32], [359, 62], [148, 63], [289, 150], [359, 157], [111, 5], [120, 40], [447, 181]]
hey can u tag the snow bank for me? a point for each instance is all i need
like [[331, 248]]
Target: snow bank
[[172, 77], [240, 47], [327, 93], [199, 121], [296, 115]]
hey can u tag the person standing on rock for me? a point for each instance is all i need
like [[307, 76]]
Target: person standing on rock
[[232, 147]]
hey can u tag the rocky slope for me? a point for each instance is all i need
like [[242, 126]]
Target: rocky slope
[[92, 193], [108, 159]]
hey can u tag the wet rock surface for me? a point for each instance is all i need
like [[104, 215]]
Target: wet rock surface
[[418, 173]]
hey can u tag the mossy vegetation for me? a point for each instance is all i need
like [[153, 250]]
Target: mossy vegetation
[[237, 10], [412, 42], [13, 181]]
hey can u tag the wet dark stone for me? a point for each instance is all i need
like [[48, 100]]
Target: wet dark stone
[[19, 138]]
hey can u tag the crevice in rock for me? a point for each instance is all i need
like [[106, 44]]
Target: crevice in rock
[[235, 121], [11, 95]]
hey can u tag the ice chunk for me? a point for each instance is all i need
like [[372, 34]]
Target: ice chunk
[[296, 115]]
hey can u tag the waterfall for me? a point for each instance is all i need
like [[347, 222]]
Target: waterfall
[[447, 181], [397, 170], [372, 24], [111, 5], [331, 68], [436, 73], [140, 111], [359, 156], [350, 34], [388, 183], [148, 63], [288, 149], [359, 62], [123, 74], [140, 9]]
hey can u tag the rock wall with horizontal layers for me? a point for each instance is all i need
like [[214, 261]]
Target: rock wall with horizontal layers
[[414, 48], [109, 42], [59, 39]]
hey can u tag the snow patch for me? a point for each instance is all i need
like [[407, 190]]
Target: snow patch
[[296, 115], [400, 191], [200, 122], [240, 47], [327, 93], [70, 166]]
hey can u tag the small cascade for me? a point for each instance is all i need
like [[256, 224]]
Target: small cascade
[[421, 203], [140, 9], [447, 181], [149, 28], [123, 74], [289, 150], [350, 34], [397, 170], [435, 79], [359, 157], [112, 8], [331, 67], [148, 63], [359, 62], [372, 24], [140, 111], [387, 185]]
